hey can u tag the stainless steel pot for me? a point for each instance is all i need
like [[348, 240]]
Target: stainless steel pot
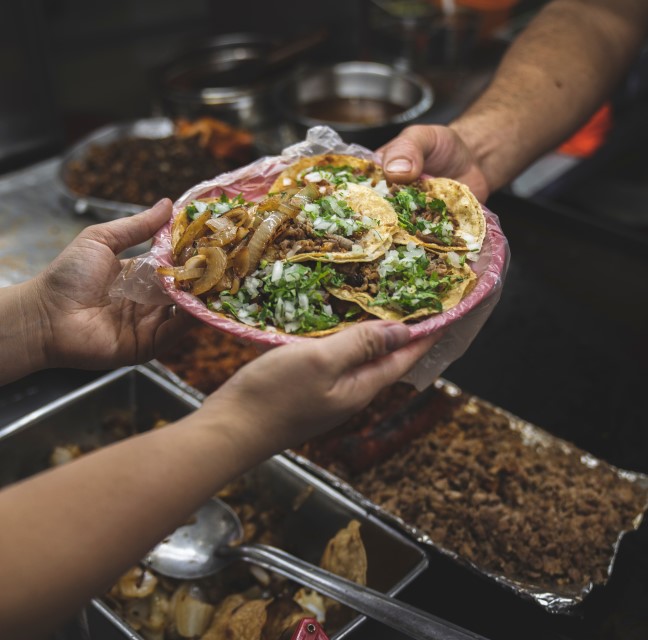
[[366, 102], [213, 78]]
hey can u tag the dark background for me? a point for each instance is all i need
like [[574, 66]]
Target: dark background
[[68, 66], [566, 348]]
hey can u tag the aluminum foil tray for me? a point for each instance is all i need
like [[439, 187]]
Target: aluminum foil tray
[[145, 394], [346, 457]]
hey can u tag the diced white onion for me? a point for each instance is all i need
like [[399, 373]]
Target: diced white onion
[[222, 207], [313, 176], [327, 309], [454, 259], [277, 271], [472, 243], [472, 256], [303, 301], [381, 188], [251, 285], [200, 206], [335, 205], [289, 310], [261, 575], [446, 227], [287, 182]]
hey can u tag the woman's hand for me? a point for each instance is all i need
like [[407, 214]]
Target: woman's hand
[[297, 391], [435, 150], [81, 325]]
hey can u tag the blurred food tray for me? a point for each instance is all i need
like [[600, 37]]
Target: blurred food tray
[[123, 168], [491, 491], [133, 399]]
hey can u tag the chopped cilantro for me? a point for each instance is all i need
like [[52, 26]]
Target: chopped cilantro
[[407, 283], [333, 215], [290, 296], [410, 204], [335, 175], [341, 175], [353, 312], [218, 208]]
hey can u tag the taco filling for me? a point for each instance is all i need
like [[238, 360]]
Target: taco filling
[[326, 225], [284, 295], [345, 224], [438, 213], [407, 282], [425, 218], [330, 244], [331, 170]]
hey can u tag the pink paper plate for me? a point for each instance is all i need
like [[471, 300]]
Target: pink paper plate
[[489, 268]]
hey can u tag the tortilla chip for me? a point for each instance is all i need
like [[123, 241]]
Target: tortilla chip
[[295, 172], [345, 554], [462, 205], [222, 616], [237, 617]]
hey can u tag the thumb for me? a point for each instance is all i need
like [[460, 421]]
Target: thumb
[[363, 343], [121, 234], [403, 157]]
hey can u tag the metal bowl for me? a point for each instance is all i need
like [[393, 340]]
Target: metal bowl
[[210, 79], [366, 102]]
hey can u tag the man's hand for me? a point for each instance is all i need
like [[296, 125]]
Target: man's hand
[[435, 150]]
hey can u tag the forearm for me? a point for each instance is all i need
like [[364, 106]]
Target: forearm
[[21, 332], [550, 81], [69, 533]]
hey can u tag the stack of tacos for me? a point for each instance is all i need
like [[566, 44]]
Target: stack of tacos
[[330, 244]]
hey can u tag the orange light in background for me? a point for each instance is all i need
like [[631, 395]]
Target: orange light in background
[[590, 136]]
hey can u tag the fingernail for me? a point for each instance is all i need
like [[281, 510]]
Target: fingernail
[[400, 165], [396, 336], [159, 202]]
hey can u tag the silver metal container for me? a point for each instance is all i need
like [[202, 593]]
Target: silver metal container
[[366, 102], [557, 600], [209, 78], [153, 128], [142, 394]]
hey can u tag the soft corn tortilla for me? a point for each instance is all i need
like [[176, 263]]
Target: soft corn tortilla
[[451, 298], [462, 207], [374, 242], [296, 171]]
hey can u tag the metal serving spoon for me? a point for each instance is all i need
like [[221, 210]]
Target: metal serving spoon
[[205, 545]]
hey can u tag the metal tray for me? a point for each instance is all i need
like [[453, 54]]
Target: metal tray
[[98, 207], [144, 394], [387, 440]]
